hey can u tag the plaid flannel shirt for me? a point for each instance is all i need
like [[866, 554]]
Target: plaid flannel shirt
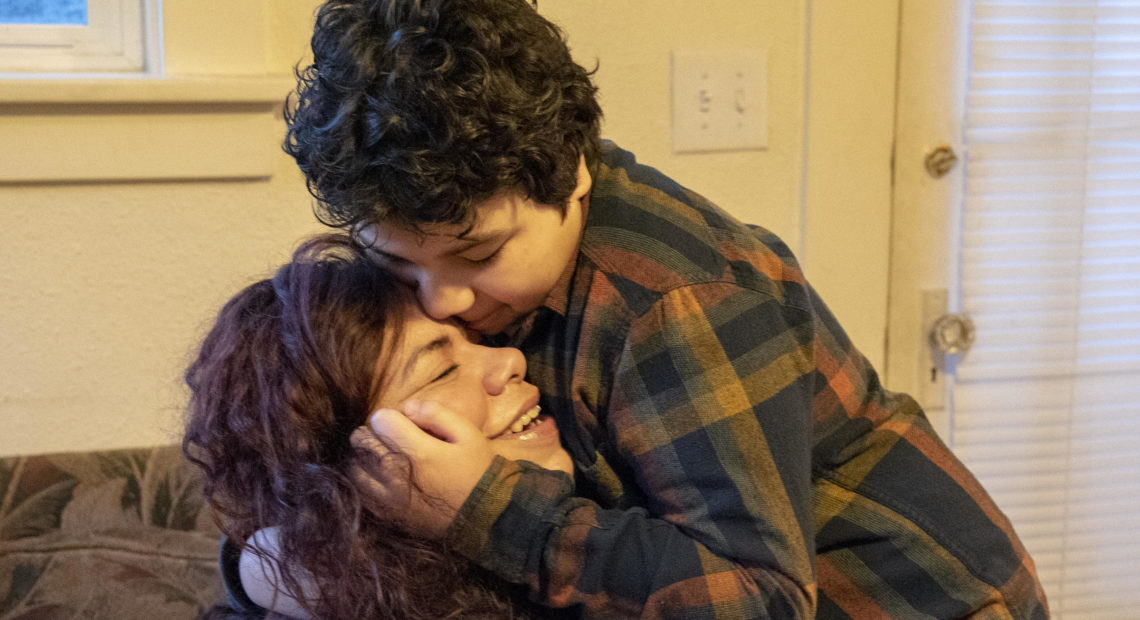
[[735, 455]]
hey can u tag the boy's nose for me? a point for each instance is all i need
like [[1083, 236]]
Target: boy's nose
[[443, 300], [504, 365]]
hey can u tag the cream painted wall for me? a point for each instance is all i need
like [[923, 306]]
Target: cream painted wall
[[107, 287], [631, 43], [824, 182], [847, 187]]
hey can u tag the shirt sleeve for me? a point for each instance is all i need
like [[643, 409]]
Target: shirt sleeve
[[711, 411], [903, 529]]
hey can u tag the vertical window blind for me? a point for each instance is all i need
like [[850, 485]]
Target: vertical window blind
[[1047, 402]]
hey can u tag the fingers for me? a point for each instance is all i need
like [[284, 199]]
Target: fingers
[[409, 431], [387, 498], [446, 466], [395, 427], [370, 451], [441, 422], [381, 477]]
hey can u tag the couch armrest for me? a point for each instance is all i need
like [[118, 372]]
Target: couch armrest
[[106, 534]]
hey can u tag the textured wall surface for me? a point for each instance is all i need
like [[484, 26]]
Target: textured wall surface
[[106, 288]]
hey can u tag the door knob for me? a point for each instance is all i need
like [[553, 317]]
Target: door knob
[[952, 334], [940, 161]]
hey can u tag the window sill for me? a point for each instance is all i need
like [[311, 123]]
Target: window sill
[[188, 90], [122, 129]]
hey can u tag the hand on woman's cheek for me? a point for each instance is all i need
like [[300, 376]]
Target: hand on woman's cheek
[[447, 454]]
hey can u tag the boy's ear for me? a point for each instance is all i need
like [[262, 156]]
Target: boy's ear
[[582, 190]]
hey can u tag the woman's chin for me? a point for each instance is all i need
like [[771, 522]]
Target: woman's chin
[[561, 462]]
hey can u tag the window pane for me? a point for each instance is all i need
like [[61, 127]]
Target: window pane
[[53, 12]]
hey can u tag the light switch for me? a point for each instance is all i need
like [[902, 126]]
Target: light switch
[[720, 100]]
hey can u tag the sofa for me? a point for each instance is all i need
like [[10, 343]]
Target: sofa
[[106, 534]]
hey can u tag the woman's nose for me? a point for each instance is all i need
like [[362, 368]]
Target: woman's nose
[[442, 299], [504, 365]]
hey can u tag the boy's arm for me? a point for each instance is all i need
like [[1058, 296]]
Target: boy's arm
[[711, 411]]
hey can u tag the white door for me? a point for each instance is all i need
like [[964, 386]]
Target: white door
[[1042, 247], [929, 114]]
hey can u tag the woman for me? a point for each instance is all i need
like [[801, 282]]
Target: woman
[[291, 367]]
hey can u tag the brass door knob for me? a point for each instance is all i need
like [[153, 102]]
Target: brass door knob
[[940, 161], [952, 334]]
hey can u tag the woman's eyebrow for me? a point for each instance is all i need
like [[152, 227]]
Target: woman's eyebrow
[[417, 355]]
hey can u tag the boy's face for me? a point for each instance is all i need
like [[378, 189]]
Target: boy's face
[[499, 271]]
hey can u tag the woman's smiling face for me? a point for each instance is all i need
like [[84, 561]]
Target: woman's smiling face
[[436, 361]]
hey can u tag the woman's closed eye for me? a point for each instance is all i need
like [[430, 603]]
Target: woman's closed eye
[[443, 375]]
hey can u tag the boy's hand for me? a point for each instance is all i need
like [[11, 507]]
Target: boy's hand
[[446, 453]]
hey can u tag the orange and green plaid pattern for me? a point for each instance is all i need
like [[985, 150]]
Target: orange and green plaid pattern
[[735, 455]]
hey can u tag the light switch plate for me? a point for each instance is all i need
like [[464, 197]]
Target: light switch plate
[[720, 100]]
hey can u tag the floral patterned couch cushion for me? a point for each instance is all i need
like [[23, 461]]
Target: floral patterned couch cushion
[[111, 534]]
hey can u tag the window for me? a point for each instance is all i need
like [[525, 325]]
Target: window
[[79, 36], [212, 115], [1045, 404], [71, 12]]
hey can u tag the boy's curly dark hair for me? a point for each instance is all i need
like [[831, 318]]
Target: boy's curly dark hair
[[415, 111], [283, 378]]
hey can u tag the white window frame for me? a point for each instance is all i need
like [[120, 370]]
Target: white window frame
[[120, 37], [212, 112]]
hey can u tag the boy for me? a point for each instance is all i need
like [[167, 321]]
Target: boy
[[734, 455]]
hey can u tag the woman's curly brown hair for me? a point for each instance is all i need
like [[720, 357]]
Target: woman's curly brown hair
[[415, 111], [283, 378]]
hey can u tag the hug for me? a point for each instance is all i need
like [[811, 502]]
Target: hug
[[534, 377]]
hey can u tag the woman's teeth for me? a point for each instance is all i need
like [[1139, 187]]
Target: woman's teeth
[[526, 419]]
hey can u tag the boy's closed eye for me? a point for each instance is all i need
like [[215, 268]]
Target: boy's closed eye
[[483, 257], [485, 248]]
